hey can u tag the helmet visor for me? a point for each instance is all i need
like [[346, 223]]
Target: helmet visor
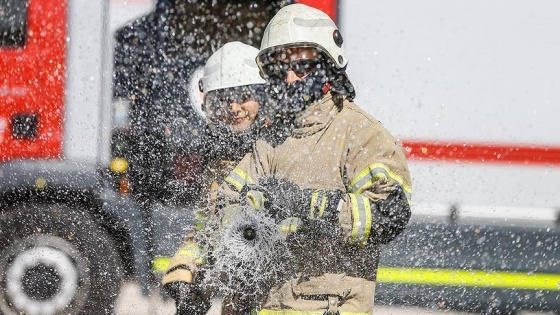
[[218, 102], [286, 53], [273, 63], [300, 67]]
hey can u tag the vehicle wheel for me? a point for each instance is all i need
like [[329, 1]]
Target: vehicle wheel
[[55, 259]]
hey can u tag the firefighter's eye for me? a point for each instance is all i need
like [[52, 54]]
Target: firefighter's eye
[[300, 67]]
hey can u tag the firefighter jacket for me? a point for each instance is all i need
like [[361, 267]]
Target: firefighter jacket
[[223, 152], [335, 145], [188, 256], [219, 161]]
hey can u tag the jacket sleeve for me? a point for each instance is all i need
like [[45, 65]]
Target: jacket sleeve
[[376, 207], [191, 255], [253, 166], [184, 262]]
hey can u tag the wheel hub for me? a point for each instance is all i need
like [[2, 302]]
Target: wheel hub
[[41, 280]]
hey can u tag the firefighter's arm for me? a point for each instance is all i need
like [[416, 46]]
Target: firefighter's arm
[[252, 167], [189, 255], [184, 263], [188, 258], [376, 207], [180, 280]]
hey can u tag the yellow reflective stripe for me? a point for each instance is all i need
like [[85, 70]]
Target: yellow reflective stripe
[[470, 278], [318, 202], [199, 215], [361, 219], [355, 218], [373, 173], [290, 224], [199, 226], [292, 312], [200, 220], [256, 198], [238, 179], [367, 229], [314, 197], [192, 251], [161, 264]]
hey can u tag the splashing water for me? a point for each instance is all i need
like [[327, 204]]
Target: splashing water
[[249, 254]]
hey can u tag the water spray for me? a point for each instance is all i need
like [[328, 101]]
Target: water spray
[[249, 254]]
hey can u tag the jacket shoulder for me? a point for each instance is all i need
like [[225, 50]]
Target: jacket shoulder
[[358, 117]]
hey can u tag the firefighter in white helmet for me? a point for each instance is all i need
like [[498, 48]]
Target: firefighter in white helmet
[[339, 180], [234, 95]]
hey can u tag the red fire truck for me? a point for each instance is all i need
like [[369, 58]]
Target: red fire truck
[[99, 142]]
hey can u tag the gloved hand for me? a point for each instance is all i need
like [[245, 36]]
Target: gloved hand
[[283, 198], [188, 298], [392, 216]]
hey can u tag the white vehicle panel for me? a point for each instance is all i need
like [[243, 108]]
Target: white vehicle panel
[[457, 70], [464, 72], [82, 119]]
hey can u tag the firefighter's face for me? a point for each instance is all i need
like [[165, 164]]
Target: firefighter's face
[[297, 62], [235, 107], [296, 76], [242, 114]]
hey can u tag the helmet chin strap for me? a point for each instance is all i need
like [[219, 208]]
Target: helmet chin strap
[[340, 84]]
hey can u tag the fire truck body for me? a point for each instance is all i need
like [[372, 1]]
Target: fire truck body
[[67, 237]]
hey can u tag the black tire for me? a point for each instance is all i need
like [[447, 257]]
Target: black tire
[[55, 259]]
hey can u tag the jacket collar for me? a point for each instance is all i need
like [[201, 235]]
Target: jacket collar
[[317, 116]]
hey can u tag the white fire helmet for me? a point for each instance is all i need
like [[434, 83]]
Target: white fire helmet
[[299, 25], [230, 66]]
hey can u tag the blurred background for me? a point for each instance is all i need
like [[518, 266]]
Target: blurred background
[[100, 141]]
